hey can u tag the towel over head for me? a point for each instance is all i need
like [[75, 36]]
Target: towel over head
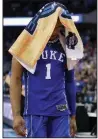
[[30, 44]]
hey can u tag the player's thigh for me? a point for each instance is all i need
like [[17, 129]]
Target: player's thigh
[[35, 126], [60, 127]]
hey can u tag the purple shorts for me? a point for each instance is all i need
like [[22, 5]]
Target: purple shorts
[[47, 126]]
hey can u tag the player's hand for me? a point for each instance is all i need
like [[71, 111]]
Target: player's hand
[[19, 126], [73, 127]]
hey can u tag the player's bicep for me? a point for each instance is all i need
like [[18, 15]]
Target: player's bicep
[[16, 70]]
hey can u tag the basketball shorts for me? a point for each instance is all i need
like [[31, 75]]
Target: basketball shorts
[[47, 126]]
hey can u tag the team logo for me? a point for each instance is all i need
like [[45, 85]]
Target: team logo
[[61, 107], [71, 40]]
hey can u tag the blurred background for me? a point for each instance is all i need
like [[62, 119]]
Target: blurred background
[[16, 15]]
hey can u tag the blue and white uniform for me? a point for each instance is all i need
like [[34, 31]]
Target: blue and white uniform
[[45, 92]]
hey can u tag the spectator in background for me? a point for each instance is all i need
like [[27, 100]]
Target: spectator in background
[[86, 75]]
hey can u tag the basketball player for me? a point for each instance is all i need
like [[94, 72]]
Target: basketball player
[[49, 94]]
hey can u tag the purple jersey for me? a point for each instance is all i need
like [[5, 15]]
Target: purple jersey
[[45, 89]]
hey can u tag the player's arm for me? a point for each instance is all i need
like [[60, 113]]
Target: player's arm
[[71, 91], [70, 83], [16, 86], [71, 98], [15, 97]]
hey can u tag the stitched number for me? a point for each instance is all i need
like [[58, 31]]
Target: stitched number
[[48, 75]]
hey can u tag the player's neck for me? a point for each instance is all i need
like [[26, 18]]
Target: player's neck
[[53, 39]]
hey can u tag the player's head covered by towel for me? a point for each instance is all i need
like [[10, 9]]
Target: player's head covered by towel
[[31, 42]]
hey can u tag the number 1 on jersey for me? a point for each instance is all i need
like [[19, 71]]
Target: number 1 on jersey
[[48, 73]]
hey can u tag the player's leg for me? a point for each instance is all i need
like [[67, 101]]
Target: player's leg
[[59, 127], [36, 126]]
